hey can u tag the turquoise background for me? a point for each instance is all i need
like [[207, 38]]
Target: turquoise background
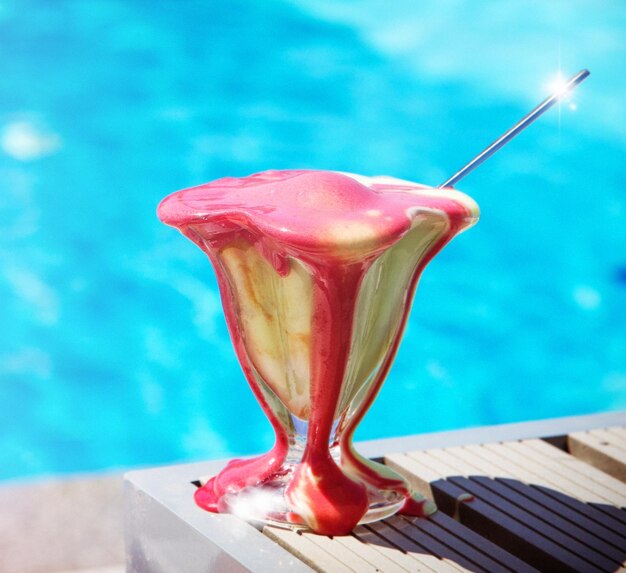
[[113, 348]]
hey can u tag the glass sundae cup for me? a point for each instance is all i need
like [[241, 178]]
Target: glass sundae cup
[[317, 272]]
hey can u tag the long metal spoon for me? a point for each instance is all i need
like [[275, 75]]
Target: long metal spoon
[[517, 128]]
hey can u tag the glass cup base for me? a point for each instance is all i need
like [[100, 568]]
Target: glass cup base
[[267, 504]]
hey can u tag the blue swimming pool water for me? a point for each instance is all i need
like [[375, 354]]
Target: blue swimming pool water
[[113, 349]]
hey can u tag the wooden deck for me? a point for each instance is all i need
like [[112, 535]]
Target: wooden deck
[[514, 506]]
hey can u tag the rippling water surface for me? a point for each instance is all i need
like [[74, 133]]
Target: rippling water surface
[[113, 348]]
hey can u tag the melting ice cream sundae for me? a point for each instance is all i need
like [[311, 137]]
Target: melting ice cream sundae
[[317, 272]]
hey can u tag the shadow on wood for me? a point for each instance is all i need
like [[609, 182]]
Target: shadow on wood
[[543, 527], [484, 524]]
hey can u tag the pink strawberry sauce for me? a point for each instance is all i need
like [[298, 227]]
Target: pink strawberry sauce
[[337, 225]]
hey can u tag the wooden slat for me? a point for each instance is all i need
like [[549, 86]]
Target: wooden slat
[[550, 473], [352, 560], [389, 550], [513, 536], [519, 460], [544, 508], [468, 536], [372, 553], [619, 431], [567, 540], [524, 506], [432, 545], [401, 544], [483, 554], [564, 476], [571, 464], [604, 449], [456, 465], [550, 485], [501, 465], [489, 521], [418, 475], [577, 513], [544, 521], [593, 511], [416, 552], [535, 500], [584, 514], [305, 550], [430, 458]]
